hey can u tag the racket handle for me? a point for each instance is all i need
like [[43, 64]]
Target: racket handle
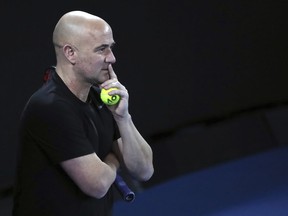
[[127, 194]]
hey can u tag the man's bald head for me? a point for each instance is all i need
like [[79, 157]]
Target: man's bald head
[[74, 26]]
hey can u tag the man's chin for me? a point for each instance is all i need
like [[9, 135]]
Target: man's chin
[[100, 81], [106, 77]]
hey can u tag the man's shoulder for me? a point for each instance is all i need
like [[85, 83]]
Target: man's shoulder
[[49, 99]]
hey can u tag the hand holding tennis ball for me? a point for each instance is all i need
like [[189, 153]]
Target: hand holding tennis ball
[[109, 99]]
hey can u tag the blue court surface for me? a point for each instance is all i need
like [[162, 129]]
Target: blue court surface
[[252, 186]]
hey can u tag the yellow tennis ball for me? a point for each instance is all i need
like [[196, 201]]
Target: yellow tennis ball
[[109, 99]]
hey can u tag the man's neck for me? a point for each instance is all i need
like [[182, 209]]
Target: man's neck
[[80, 90]]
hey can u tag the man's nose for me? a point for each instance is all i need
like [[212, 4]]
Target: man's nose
[[110, 58]]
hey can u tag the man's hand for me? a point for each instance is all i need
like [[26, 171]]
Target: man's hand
[[112, 161], [119, 110]]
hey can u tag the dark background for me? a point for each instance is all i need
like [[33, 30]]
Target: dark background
[[207, 79]]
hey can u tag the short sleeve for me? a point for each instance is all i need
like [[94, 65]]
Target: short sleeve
[[59, 131]]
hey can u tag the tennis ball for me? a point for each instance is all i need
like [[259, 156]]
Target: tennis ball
[[109, 99]]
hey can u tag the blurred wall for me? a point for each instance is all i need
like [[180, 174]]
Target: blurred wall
[[207, 79]]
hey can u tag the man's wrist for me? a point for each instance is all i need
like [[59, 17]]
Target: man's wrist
[[123, 119]]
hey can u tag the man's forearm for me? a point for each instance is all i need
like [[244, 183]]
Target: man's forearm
[[136, 152]]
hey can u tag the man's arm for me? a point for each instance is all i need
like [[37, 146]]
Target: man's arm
[[134, 151], [132, 148], [93, 176]]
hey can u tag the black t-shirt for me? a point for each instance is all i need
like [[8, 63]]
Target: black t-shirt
[[57, 126]]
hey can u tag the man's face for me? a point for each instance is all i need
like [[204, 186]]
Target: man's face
[[94, 56]]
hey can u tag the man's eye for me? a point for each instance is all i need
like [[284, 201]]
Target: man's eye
[[102, 49]]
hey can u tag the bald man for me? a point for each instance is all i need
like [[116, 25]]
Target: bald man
[[71, 145]]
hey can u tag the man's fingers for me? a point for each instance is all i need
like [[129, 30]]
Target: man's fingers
[[113, 81], [112, 75]]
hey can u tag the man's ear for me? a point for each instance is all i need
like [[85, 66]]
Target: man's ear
[[69, 53]]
